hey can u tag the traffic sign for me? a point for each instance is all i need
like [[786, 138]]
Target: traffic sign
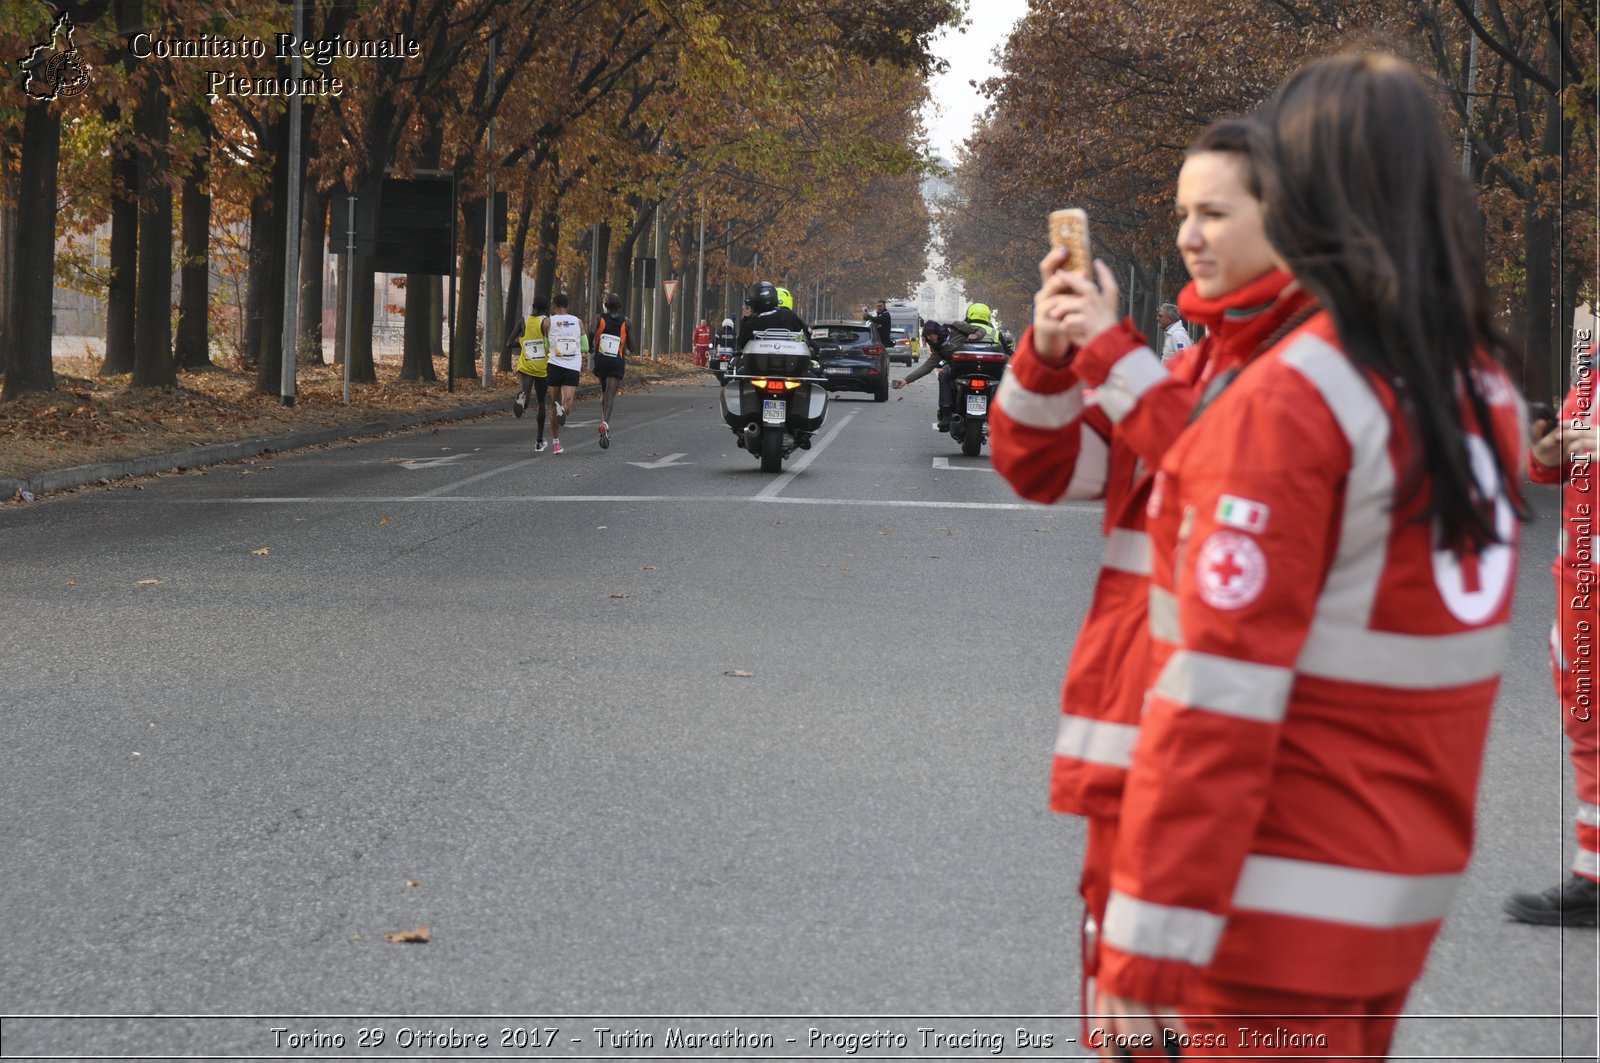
[[671, 289]]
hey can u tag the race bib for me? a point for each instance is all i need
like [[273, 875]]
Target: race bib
[[567, 347], [533, 350], [611, 344]]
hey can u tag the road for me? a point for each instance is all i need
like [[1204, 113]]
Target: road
[[635, 732]]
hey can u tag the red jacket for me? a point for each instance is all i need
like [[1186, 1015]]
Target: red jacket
[[1095, 428], [1300, 807], [1574, 566]]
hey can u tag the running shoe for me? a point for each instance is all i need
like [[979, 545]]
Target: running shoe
[[521, 404], [555, 448], [605, 438], [561, 413], [539, 447]]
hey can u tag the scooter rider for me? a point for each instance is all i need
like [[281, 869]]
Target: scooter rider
[[942, 341]]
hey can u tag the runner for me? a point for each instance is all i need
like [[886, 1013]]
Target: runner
[[566, 362], [613, 342], [533, 367]]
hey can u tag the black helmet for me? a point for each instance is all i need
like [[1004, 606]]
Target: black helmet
[[763, 297]]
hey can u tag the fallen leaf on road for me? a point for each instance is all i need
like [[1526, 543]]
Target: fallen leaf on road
[[382, 521], [72, 583], [647, 568], [419, 936], [619, 594], [151, 582], [261, 552], [601, 527], [740, 673], [412, 883]]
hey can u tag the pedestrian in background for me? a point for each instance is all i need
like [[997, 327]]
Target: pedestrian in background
[[881, 323], [1051, 442], [1564, 453], [1334, 546], [1174, 337]]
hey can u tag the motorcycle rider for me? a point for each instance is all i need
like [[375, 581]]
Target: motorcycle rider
[[942, 341], [767, 312]]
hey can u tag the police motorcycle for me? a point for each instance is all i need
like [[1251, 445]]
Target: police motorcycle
[[771, 400], [720, 361], [975, 372]]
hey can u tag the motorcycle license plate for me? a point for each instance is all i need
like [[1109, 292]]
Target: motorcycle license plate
[[774, 411], [977, 404]]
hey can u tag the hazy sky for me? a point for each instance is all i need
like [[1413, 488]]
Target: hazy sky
[[955, 103]]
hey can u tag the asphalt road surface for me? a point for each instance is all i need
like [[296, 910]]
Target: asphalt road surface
[[636, 734]]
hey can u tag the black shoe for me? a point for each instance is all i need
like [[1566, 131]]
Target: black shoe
[[1575, 902], [520, 404]]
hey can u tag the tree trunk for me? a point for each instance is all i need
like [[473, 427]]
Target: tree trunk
[[600, 252], [28, 355], [153, 365], [313, 237], [275, 246], [194, 302], [124, 254], [9, 161], [436, 317], [519, 248], [417, 354], [544, 268], [464, 352]]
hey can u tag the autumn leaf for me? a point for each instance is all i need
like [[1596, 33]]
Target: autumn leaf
[[261, 552], [151, 582], [739, 673], [382, 521], [419, 936], [619, 594]]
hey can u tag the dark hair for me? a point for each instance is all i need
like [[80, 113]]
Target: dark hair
[[613, 302], [1365, 203], [541, 305], [561, 301], [1230, 136]]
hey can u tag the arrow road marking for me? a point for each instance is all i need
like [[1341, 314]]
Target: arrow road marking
[[429, 463], [661, 463], [944, 463]]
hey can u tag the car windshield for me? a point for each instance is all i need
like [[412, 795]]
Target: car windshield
[[838, 333]]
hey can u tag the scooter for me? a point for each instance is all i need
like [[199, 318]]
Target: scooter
[[975, 374], [720, 361], [771, 400]]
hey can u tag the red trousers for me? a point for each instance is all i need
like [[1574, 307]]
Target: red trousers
[[1255, 1026], [1574, 643]]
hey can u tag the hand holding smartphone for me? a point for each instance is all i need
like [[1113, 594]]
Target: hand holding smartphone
[[1070, 229]]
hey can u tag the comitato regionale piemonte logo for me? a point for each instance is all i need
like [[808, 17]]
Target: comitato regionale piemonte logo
[[54, 67]]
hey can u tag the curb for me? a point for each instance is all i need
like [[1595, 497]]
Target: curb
[[42, 483]]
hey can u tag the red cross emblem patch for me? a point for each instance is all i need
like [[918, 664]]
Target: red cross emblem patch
[[1230, 570]]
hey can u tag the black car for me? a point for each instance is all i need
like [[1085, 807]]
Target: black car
[[851, 359]]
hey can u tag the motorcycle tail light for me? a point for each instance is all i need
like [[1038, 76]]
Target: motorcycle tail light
[[979, 384], [758, 382], [778, 385]]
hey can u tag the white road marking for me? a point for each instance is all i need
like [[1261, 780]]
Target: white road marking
[[430, 463], [944, 463], [770, 491], [662, 463], [546, 456]]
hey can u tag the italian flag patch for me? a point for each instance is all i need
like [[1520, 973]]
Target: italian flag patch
[[1242, 513]]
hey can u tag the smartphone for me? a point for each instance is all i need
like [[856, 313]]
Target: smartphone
[[1540, 411], [1070, 229]]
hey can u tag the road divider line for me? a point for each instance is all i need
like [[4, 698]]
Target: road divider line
[[770, 492]]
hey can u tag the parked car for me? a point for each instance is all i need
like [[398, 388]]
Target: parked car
[[903, 348], [851, 359]]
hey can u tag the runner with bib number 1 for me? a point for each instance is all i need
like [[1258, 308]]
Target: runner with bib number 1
[[612, 342]]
